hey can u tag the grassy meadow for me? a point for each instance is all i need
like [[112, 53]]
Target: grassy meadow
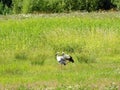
[[28, 44]]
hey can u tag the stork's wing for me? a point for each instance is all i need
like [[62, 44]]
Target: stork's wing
[[69, 58], [66, 56]]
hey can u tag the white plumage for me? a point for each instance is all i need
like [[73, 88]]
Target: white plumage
[[60, 59]]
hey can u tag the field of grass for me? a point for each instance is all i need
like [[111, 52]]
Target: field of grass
[[28, 44]]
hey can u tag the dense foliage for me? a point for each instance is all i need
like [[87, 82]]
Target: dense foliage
[[51, 6]]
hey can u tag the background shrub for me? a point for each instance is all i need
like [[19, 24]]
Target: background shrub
[[17, 6], [4, 9], [1, 8], [117, 3], [27, 5], [56, 6]]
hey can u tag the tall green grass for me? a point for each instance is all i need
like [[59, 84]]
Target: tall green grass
[[28, 44]]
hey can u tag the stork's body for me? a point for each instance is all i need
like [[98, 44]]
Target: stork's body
[[60, 59]]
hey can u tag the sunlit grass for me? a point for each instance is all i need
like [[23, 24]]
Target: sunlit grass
[[28, 44]]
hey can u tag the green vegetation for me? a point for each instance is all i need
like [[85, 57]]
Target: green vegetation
[[28, 44], [56, 6]]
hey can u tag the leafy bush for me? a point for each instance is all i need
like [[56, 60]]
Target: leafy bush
[[51, 6], [48, 5], [38, 5], [1, 8], [27, 5], [5, 9], [17, 6], [117, 3]]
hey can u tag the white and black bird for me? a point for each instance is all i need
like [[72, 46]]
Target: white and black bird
[[67, 57], [64, 58]]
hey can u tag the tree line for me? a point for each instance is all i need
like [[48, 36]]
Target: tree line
[[56, 6]]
